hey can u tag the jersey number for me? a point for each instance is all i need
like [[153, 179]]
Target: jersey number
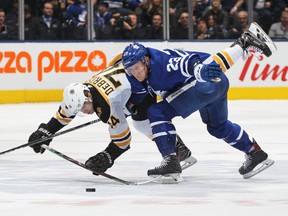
[[113, 121], [173, 64], [108, 74]]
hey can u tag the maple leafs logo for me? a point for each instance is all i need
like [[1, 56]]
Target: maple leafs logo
[[97, 61]]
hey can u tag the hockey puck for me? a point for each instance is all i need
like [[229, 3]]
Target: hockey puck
[[90, 189]]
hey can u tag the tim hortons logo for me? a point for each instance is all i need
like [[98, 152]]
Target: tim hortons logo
[[258, 71]]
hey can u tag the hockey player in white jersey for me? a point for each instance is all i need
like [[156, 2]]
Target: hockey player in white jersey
[[190, 81], [106, 94]]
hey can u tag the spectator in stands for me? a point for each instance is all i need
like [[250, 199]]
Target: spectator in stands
[[241, 25], [221, 17], [277, 7], [75, 21], [155, 30], [202, 32], [214, 30], [101, 17], [136, 28], [59, 9], [27, 22], [8, 30], [279, 30], [263, 14], [238, 5], [175, 7], [147, 9], [12, 13], [232, 7], [46, 27], [199, 6], [7, 5], [117, 28], [181, 30]]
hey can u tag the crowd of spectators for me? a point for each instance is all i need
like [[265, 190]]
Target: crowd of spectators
[[141, 19]]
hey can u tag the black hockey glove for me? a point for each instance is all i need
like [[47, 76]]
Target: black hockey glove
[[100, 162], [105, 159], [42, 132], [208, 72]]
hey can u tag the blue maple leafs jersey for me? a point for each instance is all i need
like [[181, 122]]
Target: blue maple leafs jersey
[[169, 70]]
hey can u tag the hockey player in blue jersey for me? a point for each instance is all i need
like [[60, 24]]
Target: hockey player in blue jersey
[[188, 82], [106, 94]]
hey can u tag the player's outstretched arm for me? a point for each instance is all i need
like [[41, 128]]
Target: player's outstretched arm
[[44, 130]]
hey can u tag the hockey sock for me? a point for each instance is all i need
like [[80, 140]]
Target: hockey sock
[[164, 134], [239, 139], [232, 134], [227, 58]]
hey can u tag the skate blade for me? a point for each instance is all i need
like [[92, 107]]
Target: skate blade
[[256, 30], [151, 180], [188, 162], [174, 178], [263, 165]]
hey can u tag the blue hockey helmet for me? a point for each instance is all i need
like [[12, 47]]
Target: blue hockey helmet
[[132, 54]]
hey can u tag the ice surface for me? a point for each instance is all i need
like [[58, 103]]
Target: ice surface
[[32, 184]]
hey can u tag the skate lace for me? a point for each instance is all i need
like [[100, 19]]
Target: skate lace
[[164, 163], [248, 161]]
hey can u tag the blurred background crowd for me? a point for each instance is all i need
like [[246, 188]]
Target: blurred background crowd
[[141, 19]]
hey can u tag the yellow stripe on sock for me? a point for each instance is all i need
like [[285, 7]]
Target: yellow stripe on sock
[[228, 57], [219, 61]]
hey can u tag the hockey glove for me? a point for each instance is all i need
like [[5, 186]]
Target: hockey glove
[[43, 131], [207, 72], [105, 159], [100, 162]]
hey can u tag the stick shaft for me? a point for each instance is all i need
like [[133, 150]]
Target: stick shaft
[[83, 165], [50, 137]]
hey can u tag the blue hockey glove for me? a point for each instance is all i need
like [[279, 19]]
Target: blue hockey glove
[[42, 132], [208, 72]]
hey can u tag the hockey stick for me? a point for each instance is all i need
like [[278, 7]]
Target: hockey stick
[[83, 165], [50, 137], [78, 163]]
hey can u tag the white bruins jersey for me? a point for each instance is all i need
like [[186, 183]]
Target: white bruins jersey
[[110, 90]]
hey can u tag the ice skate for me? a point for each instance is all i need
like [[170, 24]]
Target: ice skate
[[257, 40], [169, 170], [256, 161], [184, 154]]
